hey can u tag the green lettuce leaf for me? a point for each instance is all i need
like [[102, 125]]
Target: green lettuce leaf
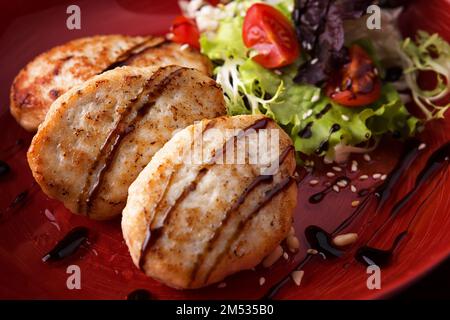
[[227, 43], [249, 88], [428, 53]]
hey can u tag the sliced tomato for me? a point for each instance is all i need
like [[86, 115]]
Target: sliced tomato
[[213, 2], [357, 83], [267, 31], [185, 31]]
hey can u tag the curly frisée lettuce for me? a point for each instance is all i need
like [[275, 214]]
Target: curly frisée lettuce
[[316, 124], [428, 53], [320, 126]]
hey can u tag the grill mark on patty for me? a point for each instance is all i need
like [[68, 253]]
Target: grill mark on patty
[[269, 195], [112, 143], [150, 222], [133, 52], [258, 180], [148, 243]]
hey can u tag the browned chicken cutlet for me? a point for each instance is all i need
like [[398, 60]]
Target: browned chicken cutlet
[[54, 72], [98, 136], [189, 224]]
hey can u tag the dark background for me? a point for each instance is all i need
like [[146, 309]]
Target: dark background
[[434, 285]]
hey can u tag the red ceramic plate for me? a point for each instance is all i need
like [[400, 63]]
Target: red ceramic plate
[[31, 223]]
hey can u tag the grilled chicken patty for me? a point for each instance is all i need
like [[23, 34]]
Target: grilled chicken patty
[[191, 223], [97, 137], [54, 72]]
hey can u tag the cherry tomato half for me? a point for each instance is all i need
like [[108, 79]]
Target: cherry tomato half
[[213, 2], [357, 83], [271, 35], [185, 30]]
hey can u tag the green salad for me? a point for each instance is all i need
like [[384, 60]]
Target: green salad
[[295, 95]]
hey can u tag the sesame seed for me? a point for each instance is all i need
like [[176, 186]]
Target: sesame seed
[[345, 117], [375, 71], [184, 47], [337, 169], [285, 256], [312, 251], [315, 98], [422, 146], [222, 285], [314, 182], [49, 215], [262, 280], [327, 160], [383, 177], [343, 240], [330, 174], [376, 176], [293, 243], [354, 166], [307, 114], [314, 61], [342, 183], [278, 72], [297, 276], [273, 257], [169, 36], [367, 157], [355, 203], [363, 177], [353, 188], [336, 188]]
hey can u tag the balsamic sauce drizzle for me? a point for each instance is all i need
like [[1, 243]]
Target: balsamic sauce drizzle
[[18, 202], [4, 168], [379, 257], [139, 294], [284, 184], [320, 240], [434, 165], [317, 237], [242, 224], [8, 152], [130, 54], [108, 150], [319, 196], [324, 111], [402, 166], [67, 245], [151, 239], [306, 132], [324, 145]]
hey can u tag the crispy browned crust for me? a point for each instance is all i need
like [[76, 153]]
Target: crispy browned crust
[[168, 53], [201, 230], [54, 72], [98, 136]]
